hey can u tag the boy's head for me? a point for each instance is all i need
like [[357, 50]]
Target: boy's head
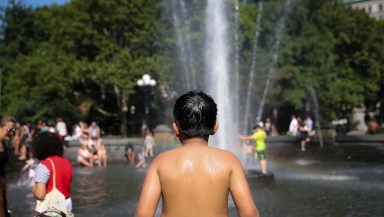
[[257, 127], [195, 114]]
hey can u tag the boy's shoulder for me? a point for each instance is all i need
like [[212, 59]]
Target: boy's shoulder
[[180, 152]]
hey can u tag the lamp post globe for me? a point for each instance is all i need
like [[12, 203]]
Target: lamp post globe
[[146, 82]]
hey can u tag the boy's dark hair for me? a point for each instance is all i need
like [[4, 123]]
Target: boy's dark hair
[[46, 144], [257, 126], [195, 113]]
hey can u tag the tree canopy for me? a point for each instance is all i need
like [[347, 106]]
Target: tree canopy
[[81, 60], [78, 60]]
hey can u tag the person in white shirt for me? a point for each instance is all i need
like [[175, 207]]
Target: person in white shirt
[[293, 126], [61, 129], [77, 133]]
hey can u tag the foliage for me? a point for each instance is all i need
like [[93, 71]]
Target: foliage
[[81, 60], [82, 52], [332, 48]]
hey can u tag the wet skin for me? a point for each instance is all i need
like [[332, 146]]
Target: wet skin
[[195, 180]]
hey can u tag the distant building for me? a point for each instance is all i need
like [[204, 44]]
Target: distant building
[[375, 8]]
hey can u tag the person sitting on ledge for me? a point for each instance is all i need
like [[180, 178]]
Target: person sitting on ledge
[[195, 179], [306, 132], [84, 156]]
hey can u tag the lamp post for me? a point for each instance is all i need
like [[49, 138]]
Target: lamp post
[[146, 82]]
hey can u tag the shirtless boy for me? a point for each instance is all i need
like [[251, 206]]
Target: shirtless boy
[[195, 179]]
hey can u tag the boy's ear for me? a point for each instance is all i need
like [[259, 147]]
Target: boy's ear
[[176, 129], [215, 127]]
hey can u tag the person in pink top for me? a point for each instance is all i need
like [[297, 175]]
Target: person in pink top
[[47, 147]]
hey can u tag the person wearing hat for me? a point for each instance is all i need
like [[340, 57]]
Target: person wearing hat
[[259, 136]]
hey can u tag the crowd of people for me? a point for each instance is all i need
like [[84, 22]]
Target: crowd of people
[[91, 149], [42, 146]]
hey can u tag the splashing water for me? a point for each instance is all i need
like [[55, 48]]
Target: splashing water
[[217, 76], [251, 72], [221, 71], [271, 71]]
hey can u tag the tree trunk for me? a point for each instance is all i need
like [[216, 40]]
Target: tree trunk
[[381, 115], [275, 115], [122, 104]]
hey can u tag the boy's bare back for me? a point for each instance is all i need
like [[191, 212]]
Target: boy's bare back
[[195, 179]]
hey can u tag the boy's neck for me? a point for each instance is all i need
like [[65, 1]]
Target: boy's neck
[[194, 141]]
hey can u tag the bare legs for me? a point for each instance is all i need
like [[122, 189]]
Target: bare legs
[[102, 156], [263, 165], [149, 150]]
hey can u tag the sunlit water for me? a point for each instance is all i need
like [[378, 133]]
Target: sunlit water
[[304, 184]]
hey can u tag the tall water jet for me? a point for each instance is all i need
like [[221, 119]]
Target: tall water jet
[[190, 53], [186, 52], [237, 57], [217, 72], [279, 31], [312, 92], [252, 70], [220, 76]]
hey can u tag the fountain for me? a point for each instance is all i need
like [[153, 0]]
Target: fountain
[[222, 78], [217, 79], [312, 92], [251, 72], [186, 51], [272, 68], [319, 183]]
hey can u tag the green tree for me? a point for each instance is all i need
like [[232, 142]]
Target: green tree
[[86, 53], [331, 48]]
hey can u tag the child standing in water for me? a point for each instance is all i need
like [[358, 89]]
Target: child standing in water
[[149, 142], [259, 136], [249, 153], [141, 158], [195, 179]]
